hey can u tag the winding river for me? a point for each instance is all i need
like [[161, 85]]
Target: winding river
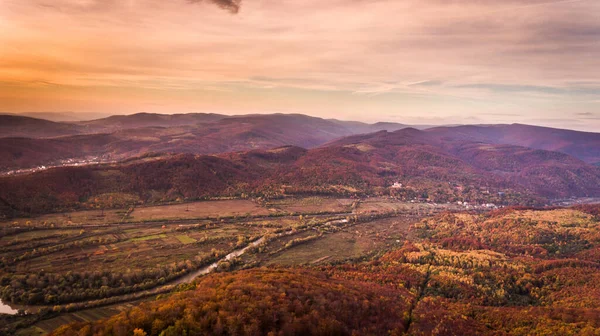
[[13, 309], [207, 269]]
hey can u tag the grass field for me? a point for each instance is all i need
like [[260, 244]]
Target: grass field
[[131, 246], [137, 245], [184, 239], [378, 205], [312, 205], [332, 247], [193, 210], [352, 241], [141, 248], [217, 209], [158, 236], [212, 209], [88, 217]]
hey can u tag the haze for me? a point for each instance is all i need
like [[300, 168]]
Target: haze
[[426, 61]]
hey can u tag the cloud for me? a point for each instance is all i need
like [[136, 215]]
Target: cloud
[[444, 57], [83, 6], [427, 83], [231, 5]]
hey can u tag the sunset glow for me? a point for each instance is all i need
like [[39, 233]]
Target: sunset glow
[[412, 61]]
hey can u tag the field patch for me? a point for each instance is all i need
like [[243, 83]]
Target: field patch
[[312, 205], [85, 217], [152, 237], [327, 248], [184, 239], [208, 209]]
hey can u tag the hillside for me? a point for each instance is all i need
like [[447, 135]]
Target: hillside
[[20, 126], [429, 169], [541, 172], [196, 133], [261, 302], [27, 152], [582, 145]]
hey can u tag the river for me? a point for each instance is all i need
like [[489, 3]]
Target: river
[[207, 269], [11, 310], [6, 309]]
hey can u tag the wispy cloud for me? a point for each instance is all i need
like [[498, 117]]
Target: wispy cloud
[[413, 57], [230, 5]]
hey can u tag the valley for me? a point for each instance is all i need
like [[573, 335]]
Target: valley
[[461, 222], [130, 255], [475, 267], [299, 168]]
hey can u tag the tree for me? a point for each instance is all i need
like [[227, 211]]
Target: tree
[[139, 332]]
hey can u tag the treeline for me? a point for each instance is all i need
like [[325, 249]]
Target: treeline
[[42, 251], [53, 288]]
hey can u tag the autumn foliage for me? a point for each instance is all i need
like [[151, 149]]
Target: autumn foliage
[[263, 302], [516, 272]]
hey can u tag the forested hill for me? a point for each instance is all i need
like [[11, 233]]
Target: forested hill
[[582, 145], [408, 164]]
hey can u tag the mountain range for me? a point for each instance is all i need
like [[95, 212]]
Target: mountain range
[[203, 156], [27, 142]]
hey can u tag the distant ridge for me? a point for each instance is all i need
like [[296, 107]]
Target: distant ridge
[[120, 137], [583, 145], [20, 126], [27, 140], [427, 167]]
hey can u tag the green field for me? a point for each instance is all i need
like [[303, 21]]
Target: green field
[[184, 239], [146, 238]]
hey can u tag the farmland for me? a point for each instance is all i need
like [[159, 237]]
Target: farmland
[[350, 242], [213, 209], [529, 270], [72, 271], [76, 262]]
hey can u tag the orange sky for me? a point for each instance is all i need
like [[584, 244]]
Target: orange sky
[[417, 61]]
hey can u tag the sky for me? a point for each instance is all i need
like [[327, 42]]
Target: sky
[[411, 61]]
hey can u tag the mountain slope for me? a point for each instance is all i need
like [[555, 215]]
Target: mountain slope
[[139, 120], [428, 168], [19, 126], [582, 145], [541, 172]]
